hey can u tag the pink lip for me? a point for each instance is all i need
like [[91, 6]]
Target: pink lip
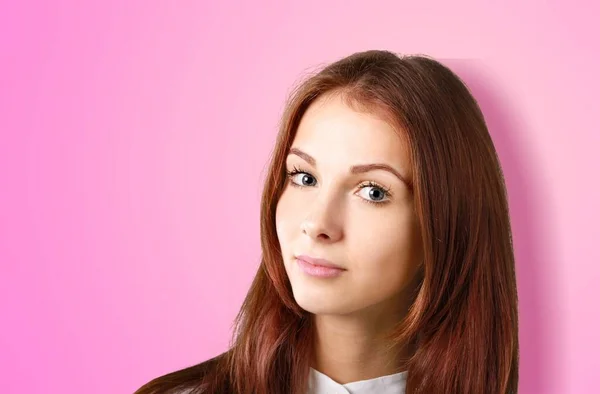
[[318, 267]]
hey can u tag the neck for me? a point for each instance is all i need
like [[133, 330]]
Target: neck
[[348, 348]]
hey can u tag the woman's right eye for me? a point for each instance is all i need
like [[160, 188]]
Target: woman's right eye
[[301, 178]]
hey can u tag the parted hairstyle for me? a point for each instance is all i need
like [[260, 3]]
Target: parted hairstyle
[[464, 318]]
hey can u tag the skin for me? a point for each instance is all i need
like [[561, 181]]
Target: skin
[[330, 217]]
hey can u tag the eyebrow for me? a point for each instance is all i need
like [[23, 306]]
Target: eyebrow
[[356, 169]]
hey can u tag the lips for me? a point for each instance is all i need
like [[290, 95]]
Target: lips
[[319, 262]]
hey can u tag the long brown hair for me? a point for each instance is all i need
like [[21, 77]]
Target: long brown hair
[[464, 318]]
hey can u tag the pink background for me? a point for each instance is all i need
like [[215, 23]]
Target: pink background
[[134, 139]]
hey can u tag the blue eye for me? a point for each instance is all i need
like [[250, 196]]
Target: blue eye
[[306, 177], [377, 195]]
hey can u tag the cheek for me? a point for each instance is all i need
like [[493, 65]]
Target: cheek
[[284, 221], [387, 251]]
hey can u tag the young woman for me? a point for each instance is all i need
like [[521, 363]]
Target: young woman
[[387, 260]]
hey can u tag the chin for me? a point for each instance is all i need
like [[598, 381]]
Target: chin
[[320, 304], [319, 309]]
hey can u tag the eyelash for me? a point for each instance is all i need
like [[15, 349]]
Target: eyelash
[[385, 190]]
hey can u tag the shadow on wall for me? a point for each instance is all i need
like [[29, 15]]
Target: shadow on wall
[[535, 278]]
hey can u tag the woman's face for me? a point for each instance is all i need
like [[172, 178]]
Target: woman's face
[[361, 220]]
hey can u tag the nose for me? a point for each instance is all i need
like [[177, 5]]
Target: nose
[[323, 221]]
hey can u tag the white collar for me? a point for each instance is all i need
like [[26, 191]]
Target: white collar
[[319, 383]]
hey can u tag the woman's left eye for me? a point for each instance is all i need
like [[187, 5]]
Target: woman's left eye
[[375, 194]]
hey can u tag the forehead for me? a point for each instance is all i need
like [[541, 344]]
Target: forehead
[[333, 131]]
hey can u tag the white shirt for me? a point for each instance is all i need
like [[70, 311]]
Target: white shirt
[[319, 383]]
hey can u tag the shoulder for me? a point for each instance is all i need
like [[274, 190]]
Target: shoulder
[[190, 380]]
